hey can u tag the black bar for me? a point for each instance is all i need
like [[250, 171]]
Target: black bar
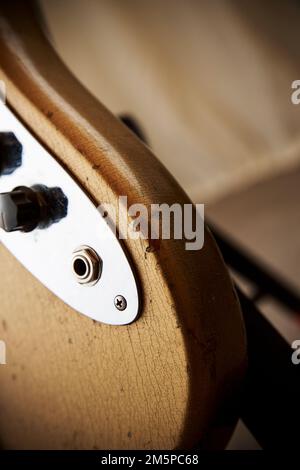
[[270, 397]]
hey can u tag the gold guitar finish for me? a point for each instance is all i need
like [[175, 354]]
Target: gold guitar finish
[[74, 383]]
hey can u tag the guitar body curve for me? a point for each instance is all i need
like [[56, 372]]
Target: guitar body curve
[[69, 381]]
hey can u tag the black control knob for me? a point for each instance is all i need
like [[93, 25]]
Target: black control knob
[[25, 208], [10, 153]]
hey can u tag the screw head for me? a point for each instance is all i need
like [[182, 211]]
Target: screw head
[[120, 302]]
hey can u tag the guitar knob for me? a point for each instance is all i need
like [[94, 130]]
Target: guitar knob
[[25, 209], [10, 153]]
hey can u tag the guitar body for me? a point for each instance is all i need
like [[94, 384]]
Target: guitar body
[[71, 382]]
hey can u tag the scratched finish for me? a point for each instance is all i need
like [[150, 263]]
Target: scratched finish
[[74, 383]]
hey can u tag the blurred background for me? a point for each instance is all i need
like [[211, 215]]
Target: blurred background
[[209, 82]]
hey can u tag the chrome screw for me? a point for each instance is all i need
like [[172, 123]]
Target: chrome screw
[[120, 302]]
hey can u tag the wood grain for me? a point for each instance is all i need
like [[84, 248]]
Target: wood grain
[[74, 383]]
